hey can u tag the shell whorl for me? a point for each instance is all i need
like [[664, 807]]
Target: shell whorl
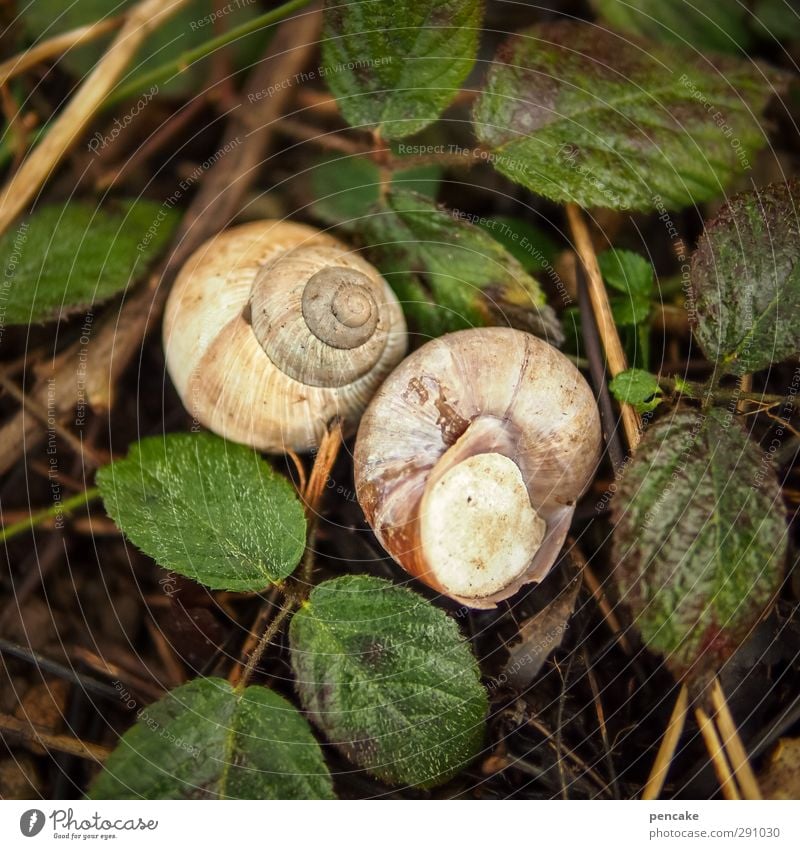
[[320, 315], [248, 345]]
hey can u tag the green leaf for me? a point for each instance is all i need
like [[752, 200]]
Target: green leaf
[[346, 187], [450, 274], [700, 537], [208, 509], [205, 740], [716, 25], [637, 387], [630, 311], [581, 114], [627, 272], [395, 66], [745, 280], [188, 28], [534, 250], [776, 19], [65, 259], [389, 679]]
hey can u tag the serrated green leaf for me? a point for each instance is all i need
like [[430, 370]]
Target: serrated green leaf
[[205, 740], [630, 311], [581, 114], [627, 272], [713, 25], [745, 280], [450, 274], [188, 28], [346, 188], [65, 259], [208, 509], [700, 537], [637, 387], [389, 679], [395, 66], [534, 250]]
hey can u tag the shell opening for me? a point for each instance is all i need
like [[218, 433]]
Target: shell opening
[[339, 307], [478, 529]]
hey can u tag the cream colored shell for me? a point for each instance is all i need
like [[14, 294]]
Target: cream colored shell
[[259, 356], [433, 470]]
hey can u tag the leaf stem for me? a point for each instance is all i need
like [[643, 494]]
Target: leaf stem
[[291, 603], [58, 509], [189, 57]]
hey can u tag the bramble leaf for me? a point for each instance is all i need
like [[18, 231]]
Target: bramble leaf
[[389, 679], [208, 509]]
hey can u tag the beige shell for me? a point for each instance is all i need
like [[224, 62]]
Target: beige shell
[[470, 459], [272, 329]]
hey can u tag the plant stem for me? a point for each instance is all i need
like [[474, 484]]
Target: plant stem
[[189, 57], [291, 603], [66, 506]]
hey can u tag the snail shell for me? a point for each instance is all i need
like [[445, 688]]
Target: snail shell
[[273, 328], [470, 459]]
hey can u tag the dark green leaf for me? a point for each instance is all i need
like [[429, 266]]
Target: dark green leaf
[[581, 114], [745, 280], [62, 260], [630, 311], [395, 66], [208, 509], [711, 25], [534, 250], [700, 537], [204, 740], [449, 274], [346, 188], [637, 387], [186, 29], [389, 679]]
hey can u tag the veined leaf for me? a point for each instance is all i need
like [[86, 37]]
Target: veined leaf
[[637, 387], [395, 66], [700, 538], [208, 509], [389, 679], [581, 114], [205, 740], [746, 280]]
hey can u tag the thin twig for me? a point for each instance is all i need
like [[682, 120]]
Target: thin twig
[[717, 754], [67, 128], [615, 355], [669, 743], [732, 742], [60, 508], [56, 46], [52, 742], [605, 608]]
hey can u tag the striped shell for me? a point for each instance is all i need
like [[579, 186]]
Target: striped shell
[[273, 328], [471, 457]]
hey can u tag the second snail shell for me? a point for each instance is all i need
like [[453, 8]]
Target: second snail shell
[[273, 329], [471, 457]]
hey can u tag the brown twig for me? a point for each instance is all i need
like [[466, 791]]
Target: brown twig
[[605, 608], [669, 743], [56, 46], [717, 754], [732, 742], [615, 355], [30, 733], [66, 129]]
